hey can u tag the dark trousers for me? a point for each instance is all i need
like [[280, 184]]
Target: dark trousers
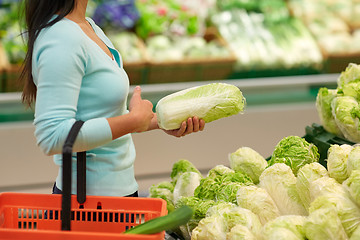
[[55, 190]]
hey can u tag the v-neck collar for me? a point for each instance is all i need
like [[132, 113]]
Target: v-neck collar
[[113, 51]]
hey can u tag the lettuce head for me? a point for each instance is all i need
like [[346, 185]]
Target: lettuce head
[[352, 185], [219, 170], [323, 106], [180, 167], [337, 161], [163, 191], [222, 187], [324, 224], [295, 152], [249, 161], [239, 215], [347, 211], [240, 232], [186, 184], [356, 234], [325, 186], [285, 227], [306, 175], [280, 182], [346, 112], [209, 102], [258, 201], [353, 161], [213, 227], [350, 75], [352, 89]]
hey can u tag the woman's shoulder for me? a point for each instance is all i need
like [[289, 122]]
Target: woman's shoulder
[[64, 31]]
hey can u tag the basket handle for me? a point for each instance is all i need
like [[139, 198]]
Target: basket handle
[[67, 175]]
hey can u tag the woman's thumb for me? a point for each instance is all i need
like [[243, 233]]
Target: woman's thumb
[[137, 91]]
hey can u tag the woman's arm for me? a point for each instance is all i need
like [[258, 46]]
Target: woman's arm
[[139, 118]]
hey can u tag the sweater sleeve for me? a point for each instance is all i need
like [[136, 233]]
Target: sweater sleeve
[[59, 64]]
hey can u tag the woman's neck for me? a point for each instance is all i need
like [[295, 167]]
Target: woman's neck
[[79, 12]]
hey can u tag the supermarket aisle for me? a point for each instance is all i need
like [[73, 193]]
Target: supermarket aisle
[[25, 168]]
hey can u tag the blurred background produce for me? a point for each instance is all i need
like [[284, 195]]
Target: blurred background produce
[[240, 38]]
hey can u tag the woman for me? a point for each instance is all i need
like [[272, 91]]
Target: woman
[[72, 72]]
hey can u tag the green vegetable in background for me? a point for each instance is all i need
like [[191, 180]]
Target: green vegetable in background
[[324, 186], [295, 152], [163, 191], [228, 215], [356, 234], [347, 211], [209, 102], [280, 182], [323, 105], [186, 184], [346, 112], [238, 215], [240, 232], [306, 175], [219, 170], [352, 89], [258, 201], [351, 74], [352, 184], [353, 162], [324, 224], [213, 227], [337, 161], [285, 228], [180, 167], [222, 187], [200, 208], [249, 161]]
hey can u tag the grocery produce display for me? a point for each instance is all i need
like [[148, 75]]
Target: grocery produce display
[[292, 196], [168, 41]]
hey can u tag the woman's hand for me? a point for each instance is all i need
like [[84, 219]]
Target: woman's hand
[[140, 111], [193, 124]]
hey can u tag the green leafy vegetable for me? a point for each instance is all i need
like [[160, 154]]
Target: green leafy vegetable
[[353, 161], [222, 187], [163, 191], [280, 182], [180, 167], [240, 232], [351, 74], [337, 161], [208, 102], [295, 152], [346, 113], [249, 161], [306, 175], [347, 211], [186, 184], [323, 105], [324, 224], [285, 227], [258, 201], [352, 184]]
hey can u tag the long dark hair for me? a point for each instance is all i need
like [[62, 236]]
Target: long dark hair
[[37, 15]]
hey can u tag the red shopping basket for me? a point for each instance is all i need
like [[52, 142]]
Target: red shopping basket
[[66, 216]]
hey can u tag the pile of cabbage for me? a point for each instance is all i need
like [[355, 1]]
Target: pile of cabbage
[[290, 196], [338, 109]]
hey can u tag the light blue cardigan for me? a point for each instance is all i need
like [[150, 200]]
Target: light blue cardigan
[[77, 80]]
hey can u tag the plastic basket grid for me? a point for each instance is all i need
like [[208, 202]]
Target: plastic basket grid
[[38, 216]]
